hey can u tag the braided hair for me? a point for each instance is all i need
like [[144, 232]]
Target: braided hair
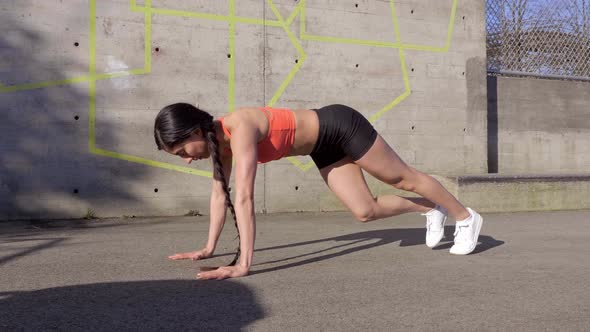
[[177, 122]]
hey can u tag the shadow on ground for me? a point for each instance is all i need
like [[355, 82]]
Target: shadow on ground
[[367, 240], [165, 305]]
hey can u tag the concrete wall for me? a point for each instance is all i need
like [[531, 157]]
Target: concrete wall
[[539, 126], [82, 80]]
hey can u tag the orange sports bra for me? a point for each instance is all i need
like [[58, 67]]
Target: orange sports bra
[[281, 134]]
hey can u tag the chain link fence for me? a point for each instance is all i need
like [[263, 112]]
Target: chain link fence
[[543, 38]]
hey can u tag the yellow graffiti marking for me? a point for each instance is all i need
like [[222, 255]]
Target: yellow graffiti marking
[[232, 19], [92, 94]]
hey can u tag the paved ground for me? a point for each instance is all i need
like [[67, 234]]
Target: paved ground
[[313, 272]]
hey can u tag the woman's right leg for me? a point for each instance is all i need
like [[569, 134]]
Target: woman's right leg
[[384, 164]]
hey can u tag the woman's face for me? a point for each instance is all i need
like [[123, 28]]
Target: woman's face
[[193, 148]]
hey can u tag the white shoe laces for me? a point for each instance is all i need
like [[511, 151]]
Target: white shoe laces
[[429, 219], [462, 232]]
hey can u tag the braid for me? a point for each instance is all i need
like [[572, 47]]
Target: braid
[[218, 174]]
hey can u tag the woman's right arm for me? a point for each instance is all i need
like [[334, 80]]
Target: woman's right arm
[[217, 216]]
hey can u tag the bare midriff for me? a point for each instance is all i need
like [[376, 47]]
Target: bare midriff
[[306, 132]]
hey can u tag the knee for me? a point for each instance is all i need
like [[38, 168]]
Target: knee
[[365, 214]]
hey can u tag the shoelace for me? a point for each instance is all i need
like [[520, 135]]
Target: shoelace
[[460, 235], [428, 220], [429, 216]]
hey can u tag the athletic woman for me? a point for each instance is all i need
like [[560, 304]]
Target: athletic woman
[[340, 141]]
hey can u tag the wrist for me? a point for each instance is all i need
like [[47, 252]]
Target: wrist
[[245, 263]]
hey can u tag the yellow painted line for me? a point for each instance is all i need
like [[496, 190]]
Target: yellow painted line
[[295, 12], [92, 97], [375, 43], [300, 10], [340, 40], [147, 43], [72, 80], [396, 30], [451, 25], [91, 115], [92, 70], [402, 59], [300, 59], [389, 106], [232, 58], [207, 16], [92, 75], [152, 163], [300, 165], [92, 39], [373, 118], [302, 20]]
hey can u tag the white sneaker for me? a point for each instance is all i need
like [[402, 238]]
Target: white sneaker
[[435, 225], [466, 234]]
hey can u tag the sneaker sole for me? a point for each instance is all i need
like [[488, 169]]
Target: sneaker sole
[[478, 226], [442, 234]]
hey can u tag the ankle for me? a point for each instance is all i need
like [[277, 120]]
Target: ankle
[[463, 216]]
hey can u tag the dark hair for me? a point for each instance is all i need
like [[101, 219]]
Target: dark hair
[[177, 122]]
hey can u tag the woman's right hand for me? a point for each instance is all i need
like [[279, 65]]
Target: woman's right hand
[[194, 255]]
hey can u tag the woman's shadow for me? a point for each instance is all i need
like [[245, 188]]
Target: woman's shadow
[[160, 305], [366, 240]]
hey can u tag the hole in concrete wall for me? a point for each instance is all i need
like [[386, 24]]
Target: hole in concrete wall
[[412, 11], [75, 191], [412, 127], [157, 49], [463, 129], [412, 69], [356, 5], [76, 117], [296, 60], [357, 65], [229, 189], [155, 190], [229, 56], [76, 44], [463, 17], [463, 73], [296, 187]]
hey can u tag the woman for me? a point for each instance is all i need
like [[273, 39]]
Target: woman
[[340, 141]]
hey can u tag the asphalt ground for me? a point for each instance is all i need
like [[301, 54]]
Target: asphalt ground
[[311, 272]]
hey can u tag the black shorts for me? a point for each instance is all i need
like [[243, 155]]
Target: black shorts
[[343, 132]]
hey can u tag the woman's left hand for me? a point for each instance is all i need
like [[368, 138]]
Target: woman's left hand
[[222, 272]]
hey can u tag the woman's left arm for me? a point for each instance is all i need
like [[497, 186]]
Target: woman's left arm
[[244, 146]]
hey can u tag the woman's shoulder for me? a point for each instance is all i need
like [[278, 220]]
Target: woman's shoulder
[[242, 116]]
